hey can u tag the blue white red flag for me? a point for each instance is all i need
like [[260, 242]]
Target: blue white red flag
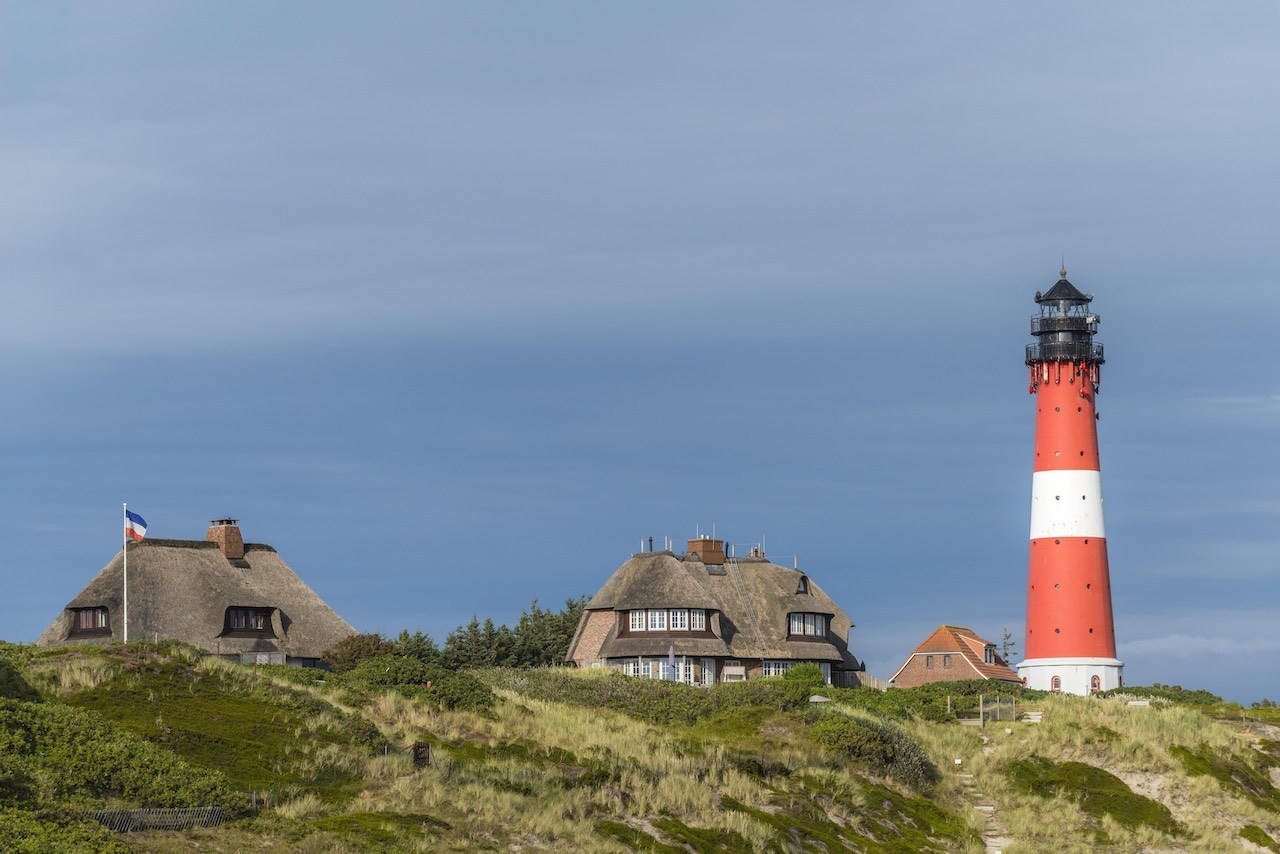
[[671, 663], [135, 527]]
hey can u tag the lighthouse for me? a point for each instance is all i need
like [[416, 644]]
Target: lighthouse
[[1070, 643]]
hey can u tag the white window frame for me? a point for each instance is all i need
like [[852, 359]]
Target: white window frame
[[777, 668], [679, 620], [637, 621], [657, 619], [697, 620], [796, 626], [826, 671]]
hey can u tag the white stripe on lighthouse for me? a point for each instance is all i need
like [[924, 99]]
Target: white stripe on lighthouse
[[1066, 503]]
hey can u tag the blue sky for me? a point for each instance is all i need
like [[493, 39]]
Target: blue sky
[[453, 304]]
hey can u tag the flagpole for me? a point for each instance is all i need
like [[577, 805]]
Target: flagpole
[[124, 547]]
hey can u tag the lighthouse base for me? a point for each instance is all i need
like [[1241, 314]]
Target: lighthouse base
[[1075, 675]]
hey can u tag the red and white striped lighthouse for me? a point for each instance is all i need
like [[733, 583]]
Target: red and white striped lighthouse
[[1071, 642]]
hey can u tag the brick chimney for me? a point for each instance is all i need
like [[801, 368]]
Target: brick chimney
[[226, 533], [707, 550]]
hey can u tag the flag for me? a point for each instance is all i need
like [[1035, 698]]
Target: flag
[[671, 663], [135, 527]]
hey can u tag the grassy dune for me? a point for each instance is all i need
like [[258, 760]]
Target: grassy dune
[[555, 759]]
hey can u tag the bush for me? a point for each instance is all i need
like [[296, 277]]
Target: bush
[[1174, 693], [452, 690], [26, 831], [78, 757], [808, 673], [881, 747], [350, 651]]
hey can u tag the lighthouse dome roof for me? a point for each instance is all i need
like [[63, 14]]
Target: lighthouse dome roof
[[1063, 290]]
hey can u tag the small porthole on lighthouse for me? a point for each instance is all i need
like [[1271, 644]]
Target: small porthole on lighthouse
[[1082, 498], [1086, 542], [1079, 409], [1057, 542], [1057, 453], [1082, 453], [1057, 587], [1057, 631], [1057, 409], [1088, 587], [1090, 631]]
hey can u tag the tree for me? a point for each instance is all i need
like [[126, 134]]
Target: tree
[[1008, 646], [352, 650], [417, 645]]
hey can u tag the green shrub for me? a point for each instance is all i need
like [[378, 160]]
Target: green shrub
[[13, 686], [1258, 836], [350, 651], [1099, 792], [78, 757], [23, 831], [1173, 693], [1235, 775], [452, 690], [882, 747], [808, 673]]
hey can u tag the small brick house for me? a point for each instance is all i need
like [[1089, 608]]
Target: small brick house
[[235, 599], [953, 653], [720, 618]]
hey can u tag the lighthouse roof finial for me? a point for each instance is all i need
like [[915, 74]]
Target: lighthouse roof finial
[[1062, 271]]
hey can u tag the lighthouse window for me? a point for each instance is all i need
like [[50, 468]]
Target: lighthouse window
[[1090, 631], [1088, 587], [1057, 631], [1057, 409], [1055, 684], [1057, 587], [1057, 542]]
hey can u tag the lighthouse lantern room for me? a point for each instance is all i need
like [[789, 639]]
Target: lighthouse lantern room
[[1070, 643]]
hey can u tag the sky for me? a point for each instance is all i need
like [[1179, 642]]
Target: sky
[[453, 304]]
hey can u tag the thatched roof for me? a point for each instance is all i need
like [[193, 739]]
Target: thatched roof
[[748, 600], [181, 589]]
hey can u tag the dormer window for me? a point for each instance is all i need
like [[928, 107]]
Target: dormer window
[[803, 585], [249, 622], [807, 625], [989, 654], [90, 621]]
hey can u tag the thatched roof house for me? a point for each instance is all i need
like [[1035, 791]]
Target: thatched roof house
[[721, 619], [233, 598]]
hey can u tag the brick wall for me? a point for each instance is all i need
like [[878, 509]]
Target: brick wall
[[597, 628], [917, 671]]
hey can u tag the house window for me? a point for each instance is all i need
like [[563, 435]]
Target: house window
[[777, 668], [631, 668], [90, 621], [256, 621], [697, 620], [989, 653], [803, 586], [658, 621], [708, 671], [637, 621], [946, 662], [679, 620], [1055, 684], [826, 671], [928, 662], [807, 625]]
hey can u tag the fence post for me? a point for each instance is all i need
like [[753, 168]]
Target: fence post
[[982, 711]]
